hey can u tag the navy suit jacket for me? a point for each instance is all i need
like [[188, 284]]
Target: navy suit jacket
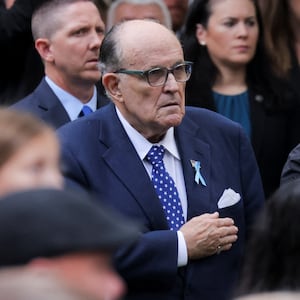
[[43, 103], [98, 156]]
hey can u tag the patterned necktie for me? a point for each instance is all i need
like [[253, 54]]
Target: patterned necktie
[[86, 110], [165, 188]]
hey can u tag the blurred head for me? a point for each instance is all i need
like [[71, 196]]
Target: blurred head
[[282, 295], [228, 29], [151, 104], [90, 273], [124, 10], [18, 283], [67, 234], [272, 258], [29, 153], [178, 10], [294, 11], [68, 35]]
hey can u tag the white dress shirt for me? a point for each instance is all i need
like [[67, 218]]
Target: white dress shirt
[[72, 105]]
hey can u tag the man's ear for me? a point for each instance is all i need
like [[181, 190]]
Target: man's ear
[[44, 49], [201, 34], [111, 83]]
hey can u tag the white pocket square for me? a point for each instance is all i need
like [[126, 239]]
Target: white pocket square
[[229, 198]]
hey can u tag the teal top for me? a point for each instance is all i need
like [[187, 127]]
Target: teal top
[[235, 107]]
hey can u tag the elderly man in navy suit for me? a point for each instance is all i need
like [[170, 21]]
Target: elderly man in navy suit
[[68, 36], [187, 175]]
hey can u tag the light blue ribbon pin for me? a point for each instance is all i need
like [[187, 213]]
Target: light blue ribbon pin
[[198, 175]]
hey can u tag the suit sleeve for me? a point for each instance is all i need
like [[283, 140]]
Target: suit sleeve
[[152, 260]]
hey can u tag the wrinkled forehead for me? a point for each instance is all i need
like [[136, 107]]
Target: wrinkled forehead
[[147, 41]]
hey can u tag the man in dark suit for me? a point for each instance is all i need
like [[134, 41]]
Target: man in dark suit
[[207, 156], [69, 47]]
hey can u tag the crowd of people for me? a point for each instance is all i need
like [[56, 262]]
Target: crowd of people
[[149, 149]]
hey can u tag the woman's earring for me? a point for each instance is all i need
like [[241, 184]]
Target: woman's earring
[[202, 43]]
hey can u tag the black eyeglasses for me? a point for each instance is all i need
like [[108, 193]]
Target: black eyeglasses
[[158, 76]]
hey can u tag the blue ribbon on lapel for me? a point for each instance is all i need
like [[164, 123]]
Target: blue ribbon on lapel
[[198, 176]]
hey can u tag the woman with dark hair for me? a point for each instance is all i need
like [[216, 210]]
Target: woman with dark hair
[[231, 75], [272, 261]]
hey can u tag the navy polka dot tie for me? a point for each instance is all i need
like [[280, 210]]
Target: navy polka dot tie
[[165, 188]]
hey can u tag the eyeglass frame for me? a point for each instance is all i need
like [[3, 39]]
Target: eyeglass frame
[[145, 73]]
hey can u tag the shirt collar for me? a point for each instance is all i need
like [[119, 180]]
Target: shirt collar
[[71, 104], [142, 145]]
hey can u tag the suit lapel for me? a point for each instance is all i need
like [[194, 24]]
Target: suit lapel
[[191, 147], [125, 163], [52, 111]]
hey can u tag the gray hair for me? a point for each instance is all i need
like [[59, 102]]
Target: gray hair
[[160, 3], [111, 54]]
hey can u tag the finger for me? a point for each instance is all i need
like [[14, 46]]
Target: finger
[[229, 239], [214, 215], [225, 222], [221, 248], [227, 230]]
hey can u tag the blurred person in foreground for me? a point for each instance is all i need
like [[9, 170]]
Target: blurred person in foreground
[[68, 35], [18, 283], [66, 234], [172, 169], [272, 261], [124, 10], [284, 295], [29, 153]]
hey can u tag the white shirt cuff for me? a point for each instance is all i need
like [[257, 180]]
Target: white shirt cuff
[[182, 250]]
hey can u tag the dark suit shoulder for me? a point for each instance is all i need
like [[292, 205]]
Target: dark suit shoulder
[[209, 120], [24, 103], [41, 97], [82, 126], [43, 103]]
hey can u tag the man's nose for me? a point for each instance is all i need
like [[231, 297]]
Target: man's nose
[[96, 39], [171, 83]]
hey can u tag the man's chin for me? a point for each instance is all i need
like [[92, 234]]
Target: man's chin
[[92, 76], [173, 120]]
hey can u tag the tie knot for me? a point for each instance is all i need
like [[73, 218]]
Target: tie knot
[[86, 110], [156, 154]]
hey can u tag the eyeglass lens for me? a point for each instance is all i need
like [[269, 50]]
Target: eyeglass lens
[[159, 76]]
